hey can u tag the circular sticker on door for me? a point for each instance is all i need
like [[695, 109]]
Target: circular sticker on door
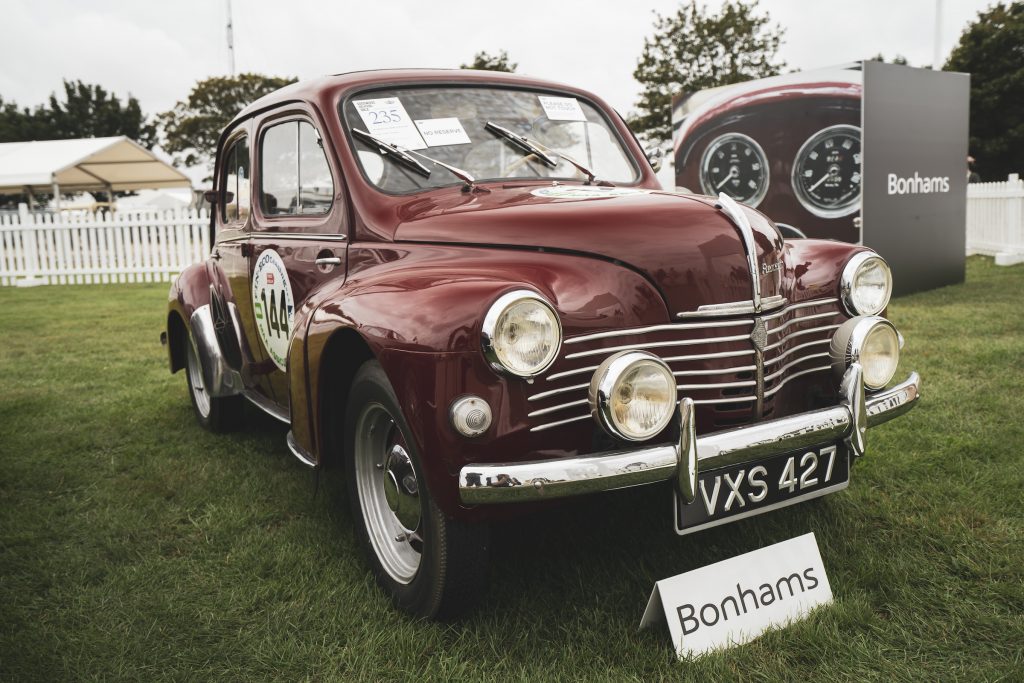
[[272, 305]]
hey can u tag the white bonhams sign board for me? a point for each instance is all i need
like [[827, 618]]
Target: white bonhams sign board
[[736, 600]]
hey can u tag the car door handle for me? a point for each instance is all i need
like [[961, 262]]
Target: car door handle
[[329, 261]]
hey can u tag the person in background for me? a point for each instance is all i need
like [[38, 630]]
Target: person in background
[[972, 175]]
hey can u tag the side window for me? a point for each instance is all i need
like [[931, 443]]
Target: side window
[[294, 175], [236, 181]]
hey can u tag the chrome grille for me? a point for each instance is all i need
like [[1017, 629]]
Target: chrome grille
[[715, 362]]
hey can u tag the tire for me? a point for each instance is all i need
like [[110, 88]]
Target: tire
[[430, 566], [217, 414]]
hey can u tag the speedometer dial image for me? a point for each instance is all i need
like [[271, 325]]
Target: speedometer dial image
[[826, 172], [735, 164]]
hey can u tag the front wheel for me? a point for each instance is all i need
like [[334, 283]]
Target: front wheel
[[429, 565], [218, 414]]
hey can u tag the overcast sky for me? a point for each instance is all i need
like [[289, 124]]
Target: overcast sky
[[156, 50]]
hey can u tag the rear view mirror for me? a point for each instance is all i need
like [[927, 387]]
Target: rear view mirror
[[212, 197], [655, 156]]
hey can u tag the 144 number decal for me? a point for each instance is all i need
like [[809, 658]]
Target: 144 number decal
[[272, 305]]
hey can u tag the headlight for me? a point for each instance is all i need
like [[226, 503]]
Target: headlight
[[633, 395], [871, 341], [521, 334], [866, 284]]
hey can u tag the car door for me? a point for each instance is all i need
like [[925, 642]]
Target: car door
[[229, 258], [298, 232]]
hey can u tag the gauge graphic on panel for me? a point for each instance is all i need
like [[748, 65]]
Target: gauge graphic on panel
[[826, 172], [735, 164]]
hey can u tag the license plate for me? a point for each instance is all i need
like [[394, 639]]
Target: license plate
[[737, 491]]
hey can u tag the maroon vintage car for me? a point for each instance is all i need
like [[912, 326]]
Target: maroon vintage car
[[466, 290]]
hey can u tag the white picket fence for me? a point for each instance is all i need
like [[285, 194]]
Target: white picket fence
[[122, 246], [995, 220]]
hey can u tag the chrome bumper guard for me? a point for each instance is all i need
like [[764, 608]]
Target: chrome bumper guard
[[681, 461]]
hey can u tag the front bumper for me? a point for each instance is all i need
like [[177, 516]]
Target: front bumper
[[681, 461]]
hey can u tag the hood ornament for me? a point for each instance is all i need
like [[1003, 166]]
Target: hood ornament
[[735, 213]]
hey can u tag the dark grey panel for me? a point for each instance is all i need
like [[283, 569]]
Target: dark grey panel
[[915, 126]]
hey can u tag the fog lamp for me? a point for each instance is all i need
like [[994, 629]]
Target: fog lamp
[[470, 415], [633, 395], [871, 341]]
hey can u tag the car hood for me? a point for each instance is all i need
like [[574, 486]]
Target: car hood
[[683, 244]]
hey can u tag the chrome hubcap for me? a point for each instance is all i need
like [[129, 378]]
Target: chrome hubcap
[[388, 493], [195, 377]]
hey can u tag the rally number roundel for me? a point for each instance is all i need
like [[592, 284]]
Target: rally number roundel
[[272, 305]]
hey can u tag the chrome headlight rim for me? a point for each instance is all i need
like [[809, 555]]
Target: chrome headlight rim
[[849, 276], [852, 349], [490, 325], [606, 378]]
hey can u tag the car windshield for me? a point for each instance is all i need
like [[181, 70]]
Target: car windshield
[[451, 125]]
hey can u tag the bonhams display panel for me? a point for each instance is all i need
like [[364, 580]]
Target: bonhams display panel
[[867, 153]]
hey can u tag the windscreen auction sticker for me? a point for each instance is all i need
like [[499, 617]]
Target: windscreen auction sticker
[[440, 132], [386, 118], [734, 601], [562, 108], [273, 305]]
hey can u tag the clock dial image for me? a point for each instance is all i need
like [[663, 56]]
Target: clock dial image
[[735, 164], [826, 172]]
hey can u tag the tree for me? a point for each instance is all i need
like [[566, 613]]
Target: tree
[[485, 62], [87, 111], [898, 59], [693, 50], [192, 128], [990, 50]]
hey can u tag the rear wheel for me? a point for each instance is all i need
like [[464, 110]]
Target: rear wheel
[[216, 413], [430, 566]]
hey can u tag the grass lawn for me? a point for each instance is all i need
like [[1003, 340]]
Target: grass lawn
[[135, 545]]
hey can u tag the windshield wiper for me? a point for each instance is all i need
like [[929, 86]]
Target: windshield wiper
[[542, 152], [396, 152], [408, 157]]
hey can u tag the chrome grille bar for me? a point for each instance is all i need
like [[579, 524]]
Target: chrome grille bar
[[799, 333], [787, 366], [793, 307], [778, 359], [781, 384], [658, 345], [681, 327]]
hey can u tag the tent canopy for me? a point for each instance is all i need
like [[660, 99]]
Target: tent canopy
[[115, 163]]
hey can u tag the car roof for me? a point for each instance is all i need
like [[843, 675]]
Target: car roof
[[314, 90]]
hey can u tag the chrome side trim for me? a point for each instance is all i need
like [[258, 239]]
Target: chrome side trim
[[218, 377], [734, 308], [562, 477], [267, 406], [658, 345], [671, 327], [742, 223], [308, 236], [304, 456]]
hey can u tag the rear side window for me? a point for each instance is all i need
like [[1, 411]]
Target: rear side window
[[294, 175], [236, 181]]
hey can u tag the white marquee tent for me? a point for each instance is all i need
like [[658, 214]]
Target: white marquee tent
[[107, 164]]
